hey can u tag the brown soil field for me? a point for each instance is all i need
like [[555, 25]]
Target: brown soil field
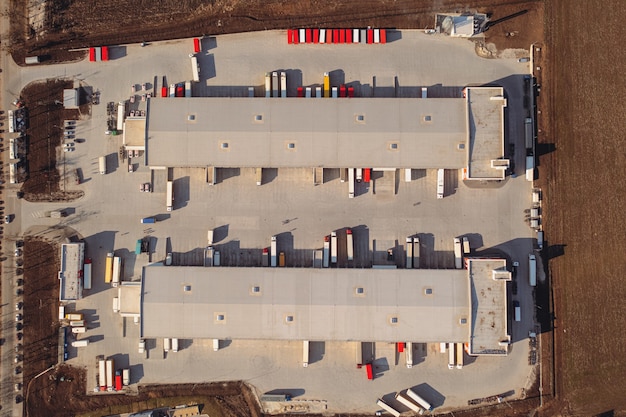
[[582, 131]]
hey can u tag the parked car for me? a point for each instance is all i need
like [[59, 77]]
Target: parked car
[[8, 219], [68, 145], [18, 252], [18, 306], [18, 317], [19, 327], [68, 149], [133, 88]]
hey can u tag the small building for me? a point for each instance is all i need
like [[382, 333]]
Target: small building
[[70, 98], [70, 275], [460, 25]]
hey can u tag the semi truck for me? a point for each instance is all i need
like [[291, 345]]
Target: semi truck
[[109, 374], [458, 254], [409, 355], [532, 270], [12, 149], [466, 245], [409, 252], [283, 84], [80, 343], [102, 375], [451, 356], [126, 377], [305, 353], [268, 85], [407, 402], [440, 183], [195, 68], [530, 168], [102, 164], [326, 253], [388, 408], [259, 176], [326, 85], [187, 89], [117, 271], [459, 356], [416, 252], [333, 247], [87, 274], [118, 380], [108, 268], [529, 133], [275, 88], [350, 182], [169, 196], [273, 254], [422, 402], [121, 111], [349, 245], [174, 344]]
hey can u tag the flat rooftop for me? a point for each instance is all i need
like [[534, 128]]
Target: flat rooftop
[[135, 133], [129, 294], [297, 132], [71, 271], [485, 106], [488, 278], [305, 304]]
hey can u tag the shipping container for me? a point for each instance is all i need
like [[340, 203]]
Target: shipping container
[[174, 344], [355, 35], [87, 274], [118, 380]]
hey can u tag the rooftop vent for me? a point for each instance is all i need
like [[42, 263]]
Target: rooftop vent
[[360, 118], [393, 320], [224, 145], [187, 288], [428, 291], [289, 319]]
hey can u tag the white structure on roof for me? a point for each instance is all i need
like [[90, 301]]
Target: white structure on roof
[[70, 275], [465, 133], [326, 304], [70, 98]]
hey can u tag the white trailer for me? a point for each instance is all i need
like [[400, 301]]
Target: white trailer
[[102, 164], [12, 173], [466, 245], [209, 237], [424, 92], [283, 84], [358, 353], [532, 270], [451, 356], [169, 196], [211, 175], [359, 174], [275, 84], [273, 253], [349, 245], [126, 377], [322, 35], [409, 252], [80, 343], [458, 254], [174, 344], [350, 182], [408, 175], [117, 271], [305, 353], [355, 35], [102, 375], [109, 374], [187, 89], [167, 344], [121, 112], [12, 126], [416, 252], [422, 402], [459, 356], [268, 85], [172, 90], [195, 69], [259, 176], [326, 253], [216, 345], [12, 149], [530, 168], [388, 408], [440, 183], [87, 276], [406, 401], [408, 351], [333, 247]]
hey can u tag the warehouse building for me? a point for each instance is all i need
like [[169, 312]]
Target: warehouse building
[[71, 273], [383, 133]]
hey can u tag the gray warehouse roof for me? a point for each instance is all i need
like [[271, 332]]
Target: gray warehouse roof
[[298, 132], [306, 304]]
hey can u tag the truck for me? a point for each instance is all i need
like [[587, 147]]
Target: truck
[[167, 344], [174, 344], [121, 112], [117, 271], [359, 174], [530, 168], [416, 252], [281, 259], [440, 183], [12, 125], [409, 252], [459, 356], [142, 346], [172, 90], [77, 323], [126, 377], [148, 220], [74, 316], [451, 356], [349, 245], [80, 343], [283, 84], [268, 85], [517, 311], [388, 408], [424, 92], [116, 305], [77, 330], [326, 85], [87, 275], [409, 355], [466, 245], [458, 254], [350, 182], [259, 175], [187, 89], [407, 402], [216, 345], [32, 60], [109, 374], [529, 133], [275, 397], [422, 402], [333, 247], [275, 87], [326, 253], [532, 270], [118, 380], [108, 268], [169, 197], [12, 149], [273, 254], [195, 68], [102, 164], [318, 176], [102, 375], [305, 353]]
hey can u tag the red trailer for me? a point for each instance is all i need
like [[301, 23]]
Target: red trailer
[[342, 90], [164, 91], [180, 90], [118, 381], [92, 54], [370, 372], [295, 36], [335, 35], [383, 36], [105, 53], [309, 36], [329, 36], [196, 45], [300, 92], [366, 173], [348, 35], [400, 347], [289, 36], [342, 36], [350, 92], [316, 36], [370, 35]]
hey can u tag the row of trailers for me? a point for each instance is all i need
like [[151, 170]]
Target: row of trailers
[[98, 53], [112, 269], [409, 399], [110, 380], [368, 36], [276, 86]]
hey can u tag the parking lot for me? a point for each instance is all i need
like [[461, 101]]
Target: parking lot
[[244, 216]]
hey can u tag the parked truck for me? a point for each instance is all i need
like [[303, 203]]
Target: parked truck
[[283, 84], [195, 68], [350, 182], [459, 356], [407, 402], [416, 252], [458, 254], [121, 113], [102, 164], [187, 89], [305, 353], [102, 375], [530, 168], [169, 196], [126, 377], [275, 87], [273, 254], [388, 408], [466, 246], [108, 268], [529, 133], [326, 252], [87, 275], [349, 245], [440, 183], [109, 374], [409, 252], [422, 402], [117, 271], [333, 247], [532, 270], [451, 356]]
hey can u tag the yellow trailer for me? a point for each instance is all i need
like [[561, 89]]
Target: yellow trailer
[[108, 268], [326, 85]]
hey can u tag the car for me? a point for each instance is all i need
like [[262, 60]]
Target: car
[[19, 291], [18, 348], [18, 306], [18, 386], [133, 88], [132, 98], [143, 97], [68, 145], [18, 252], [68, 149], [8, 219], [19, 327], [70, 122], [19, 282], [19, 243], [70, 131], [19, 336], [19, 262], [526, 59], [18, 317], [70, 137], [143, 87], [18, 358], [19, 271], [18, 399], [18, 370]]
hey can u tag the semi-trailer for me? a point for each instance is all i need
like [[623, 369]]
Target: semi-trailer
[[169, 195], [87, 275], [458, 254], [259, 176], [78, 330], [102, 165], [118, 380], [349, 245], [409, 355], [305, 353], [440, 183], [407, 402], [530, 168], [532, 270], [174, 344], [283, 84], [273, 253], [388, 408], [195, 69], [108, 268], [326, 85], [350, 182], [117, 271], [333, 247], [74, 316], [358, 353], [216, 345], [121, 112], [187, 88], [109, 374], [275, 84], [409, 252], [77, 323], [416, 252], [326, 254], [126, 377], [268, 85], [172, 90], [102, 375], [80, 343], [359, 174], [422, 402], [459, 356], [466, 245], [529, 133], [167, 346], [451, 356]]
